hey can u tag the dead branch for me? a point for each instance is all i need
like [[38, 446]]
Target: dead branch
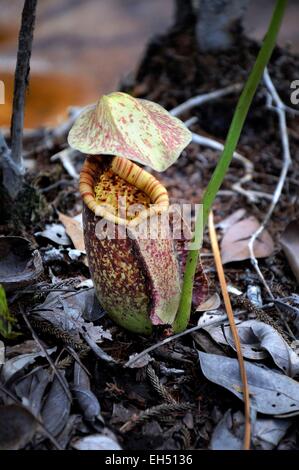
[[201, 99], [251, 195], [280, 109]]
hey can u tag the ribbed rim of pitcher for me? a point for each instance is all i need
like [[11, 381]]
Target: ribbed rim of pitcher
[[134, 175]]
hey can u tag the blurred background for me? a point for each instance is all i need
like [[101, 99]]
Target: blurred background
[[83, 48]]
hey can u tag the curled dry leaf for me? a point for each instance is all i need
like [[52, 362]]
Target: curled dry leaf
[[136, 129], [290, 245], [17, 427], [234, 245], [258, 339], [251, 348], [20, 265], [212, 317], [271, 341]]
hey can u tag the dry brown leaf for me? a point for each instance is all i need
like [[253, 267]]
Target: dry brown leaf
[[290, 245], [234, 245], [74, 230]]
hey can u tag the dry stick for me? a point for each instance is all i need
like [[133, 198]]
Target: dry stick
[[229, 310], [214, 144], [56, 372], [21, 80], [200, 99], [252, 196], [131, 361], [41, 424], [280, 109], [161, 343]]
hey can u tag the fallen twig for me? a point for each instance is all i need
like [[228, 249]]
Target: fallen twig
[[280, 109], [161, 343], [200, 99], [252, 196], [172, 338]]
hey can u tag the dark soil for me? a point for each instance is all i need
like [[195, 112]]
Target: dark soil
[[172, 71]]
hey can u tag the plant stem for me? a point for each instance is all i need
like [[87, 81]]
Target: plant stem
[[231, 142]]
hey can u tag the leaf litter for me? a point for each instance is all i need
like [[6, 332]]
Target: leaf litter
[[258, 340], [266, 434], [271, 392]]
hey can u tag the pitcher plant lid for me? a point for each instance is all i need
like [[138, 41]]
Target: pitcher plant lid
[[132, 128]]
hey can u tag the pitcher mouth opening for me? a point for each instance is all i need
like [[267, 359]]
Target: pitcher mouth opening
[[143, 188]]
